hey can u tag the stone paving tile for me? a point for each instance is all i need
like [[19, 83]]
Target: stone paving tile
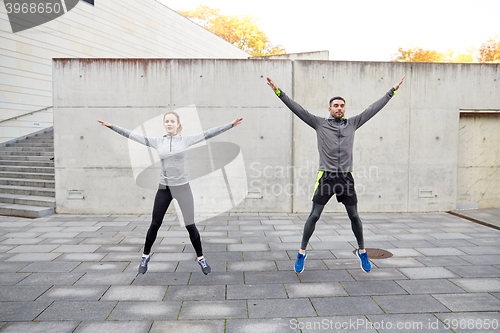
[[114, 327], [191, 266], [410, 304], [475, 271], [10, 279], [249, 265], [360, 288], [271, 277], [80, 256], [12, 267], [341, 306], [276, 308], [47, 279], [396, 262], [326, 289], [325, 276], [273, 325], [353, 324], [443, 261], [471, 321], [21, 311], [376, 274], [288, 265], [429, 286], [427, 273], [255, 256], [161, 279], [196, 293], [146, 311], [248, 247], [413, 323], [469, 302], [191, 326], [21, 293], [483, 260], [475, 285], [77, 310], [73, 293], [249, 291], [40, 327], [213, 309], [109, 267], [34, 257], [135, 293], [102, 278], [216, 278]]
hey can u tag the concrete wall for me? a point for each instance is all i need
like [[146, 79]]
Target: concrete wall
[[479, 161], [405, 158], [111, 28]]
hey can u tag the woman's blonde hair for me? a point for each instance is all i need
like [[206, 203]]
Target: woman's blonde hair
[[179, 130]]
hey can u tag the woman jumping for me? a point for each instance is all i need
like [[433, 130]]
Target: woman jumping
[[174, 183]]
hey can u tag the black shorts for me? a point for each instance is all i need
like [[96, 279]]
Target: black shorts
[[340, 184]]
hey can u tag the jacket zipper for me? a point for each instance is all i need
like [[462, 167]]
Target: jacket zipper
[[170, 143]]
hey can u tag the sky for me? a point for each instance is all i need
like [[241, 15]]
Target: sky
[[366, 30]]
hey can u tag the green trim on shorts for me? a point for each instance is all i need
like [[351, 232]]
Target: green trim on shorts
[[320, 174]]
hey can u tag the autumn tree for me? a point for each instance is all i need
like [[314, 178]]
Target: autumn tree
[[489, 51], [418, 54], [242, 32]]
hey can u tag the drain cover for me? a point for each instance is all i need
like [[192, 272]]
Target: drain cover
[[377, 253]]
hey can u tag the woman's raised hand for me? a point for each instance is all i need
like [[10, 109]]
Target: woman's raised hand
[[103, 123]]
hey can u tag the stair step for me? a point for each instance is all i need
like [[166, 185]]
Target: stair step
[[30, 148], [28, 182], [46, 164], [29, 200], [25, 190], [27, 175], [30, 144], [26, 211], [25, 158], [32, 169], [26, 153]]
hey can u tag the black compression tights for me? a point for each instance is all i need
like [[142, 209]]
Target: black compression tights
[[352, 212], [163, 199]]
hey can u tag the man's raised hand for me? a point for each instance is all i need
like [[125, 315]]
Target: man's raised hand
[[396, 86], [271, 84]]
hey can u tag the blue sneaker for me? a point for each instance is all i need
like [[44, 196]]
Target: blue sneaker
[[365, 263], [299, 263]]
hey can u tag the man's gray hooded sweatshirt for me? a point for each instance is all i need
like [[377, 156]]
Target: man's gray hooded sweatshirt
[[172, 150], [335, 136]]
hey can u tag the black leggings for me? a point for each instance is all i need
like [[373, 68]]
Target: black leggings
[[352, 211], [163, 198]]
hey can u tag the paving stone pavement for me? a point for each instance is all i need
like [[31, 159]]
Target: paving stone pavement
[[78, 273]]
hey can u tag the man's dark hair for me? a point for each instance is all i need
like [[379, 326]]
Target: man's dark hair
[[334, 98]]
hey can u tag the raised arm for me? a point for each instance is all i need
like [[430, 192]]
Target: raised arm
[[295, 107], [373, 109], [147, 141], [210, 133]]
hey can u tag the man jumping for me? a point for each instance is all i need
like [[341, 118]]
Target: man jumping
[[335, 143]]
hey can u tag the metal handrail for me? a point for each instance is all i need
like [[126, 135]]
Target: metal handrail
[[25, 114]]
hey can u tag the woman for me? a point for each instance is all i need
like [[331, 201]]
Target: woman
[[174, 183]]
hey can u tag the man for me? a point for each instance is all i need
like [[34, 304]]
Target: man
[[335, 143]]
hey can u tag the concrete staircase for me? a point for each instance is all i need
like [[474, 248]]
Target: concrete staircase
[[27, 183]]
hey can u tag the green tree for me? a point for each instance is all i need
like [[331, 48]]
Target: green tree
[[242, 32]]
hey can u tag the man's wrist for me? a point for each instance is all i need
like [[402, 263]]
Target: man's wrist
[[277, 92]]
